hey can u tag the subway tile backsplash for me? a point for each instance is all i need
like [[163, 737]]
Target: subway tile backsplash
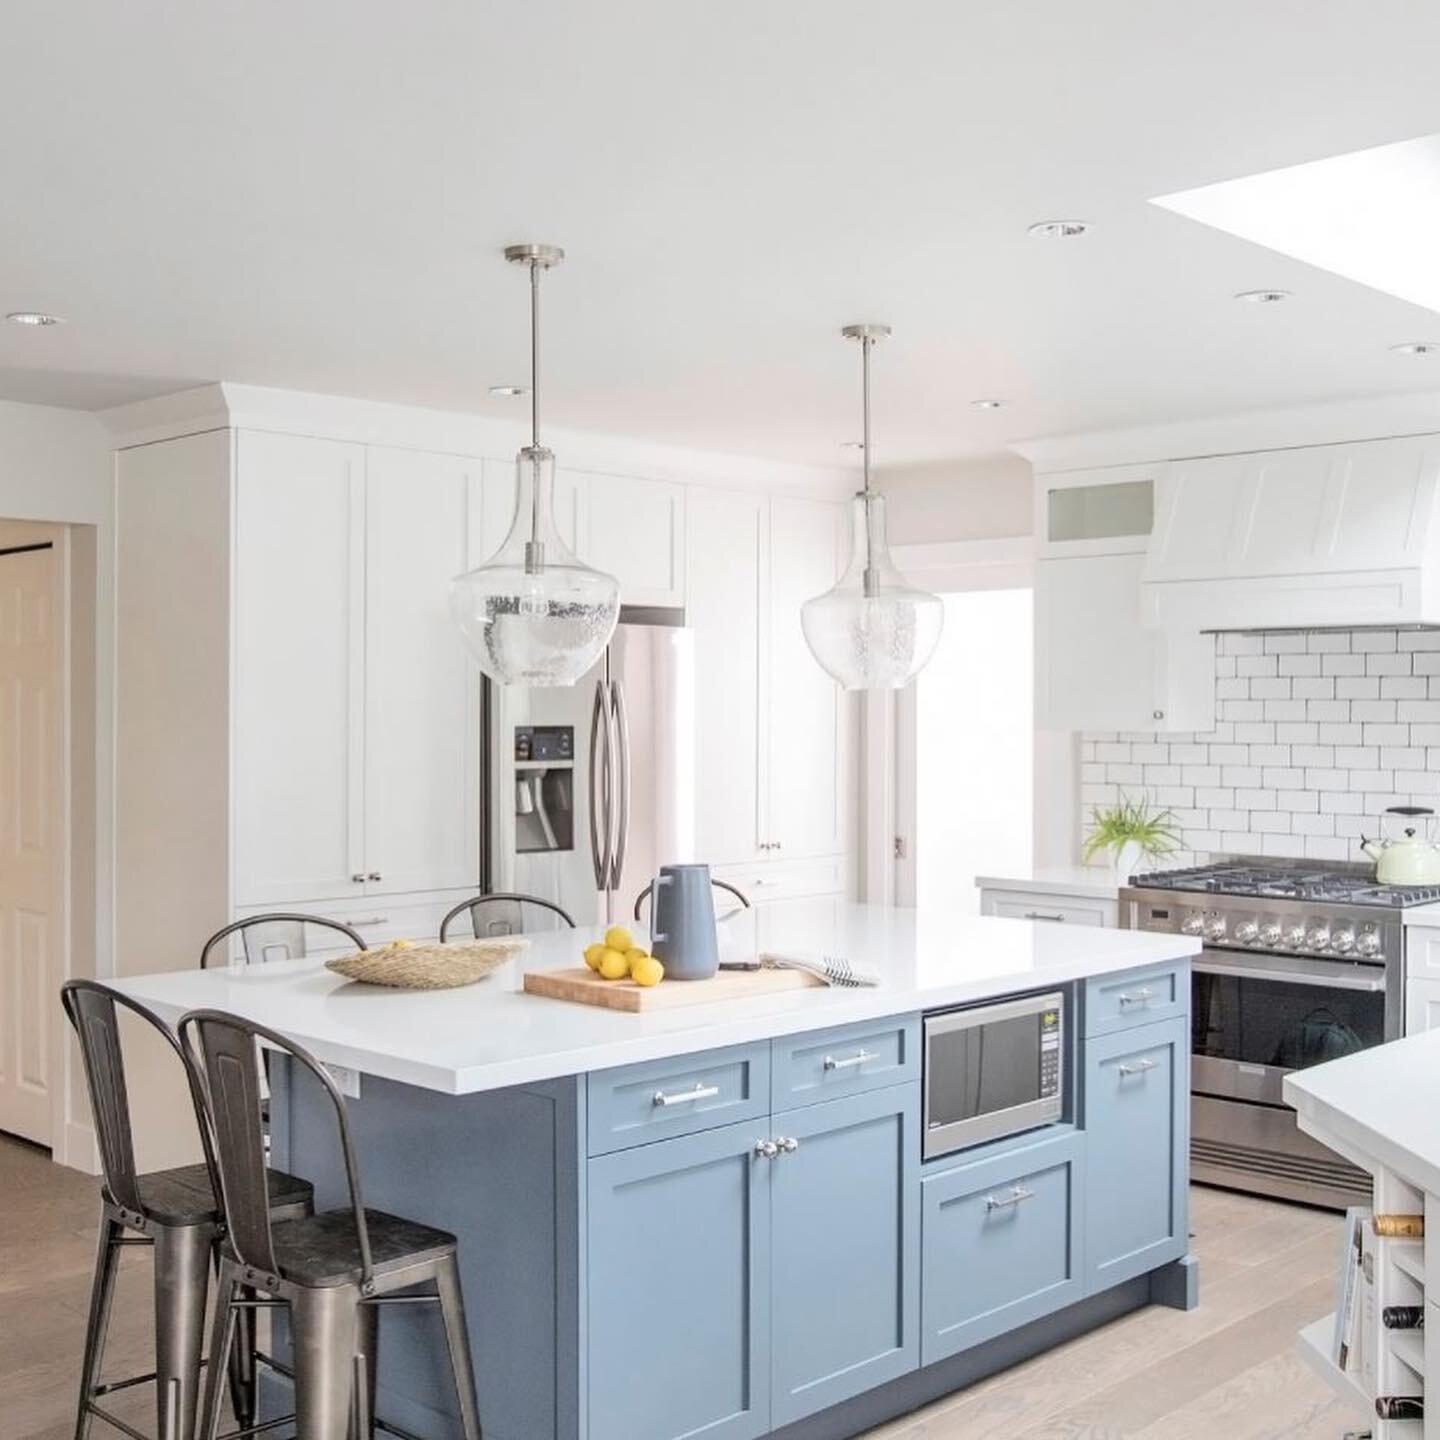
[[1316, 735]]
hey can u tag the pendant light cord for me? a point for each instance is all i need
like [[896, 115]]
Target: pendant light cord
[[871, 579], [534, 551]]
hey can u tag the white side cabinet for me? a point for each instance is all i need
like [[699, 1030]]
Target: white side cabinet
[[775, 734], [1059, 906], [1422, 978]]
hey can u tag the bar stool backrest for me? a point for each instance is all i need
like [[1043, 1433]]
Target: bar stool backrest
[[91, 1009], [277, 936], [715, 882], [229, 1050], [503, 913]]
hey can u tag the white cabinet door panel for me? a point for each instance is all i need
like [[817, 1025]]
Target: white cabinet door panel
[[808, 715], [299, 668], [1422, 1006], [726, 552], [422, 706], [637, 533]]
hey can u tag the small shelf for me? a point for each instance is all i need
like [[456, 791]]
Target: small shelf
[[544, 764], [1408, 1257], [1314, 1342], [1409, 1346]]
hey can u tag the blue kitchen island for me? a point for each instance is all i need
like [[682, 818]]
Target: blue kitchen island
[[717, 1221]]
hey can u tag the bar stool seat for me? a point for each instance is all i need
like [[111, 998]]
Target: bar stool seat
[[324, 1249], [185, 1196]]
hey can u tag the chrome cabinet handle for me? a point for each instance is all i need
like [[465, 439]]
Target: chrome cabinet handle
[[1041, 915], [1017, 1195], [700, 1092], [766, 1149], [1140, 1067], [788, 1144], [599, 803], [621, 726], [859, 1058], [1136, 997]]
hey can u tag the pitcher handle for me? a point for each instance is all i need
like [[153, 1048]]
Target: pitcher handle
[[656, 938]]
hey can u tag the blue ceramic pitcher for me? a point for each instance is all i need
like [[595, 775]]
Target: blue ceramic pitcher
[[682, 923]]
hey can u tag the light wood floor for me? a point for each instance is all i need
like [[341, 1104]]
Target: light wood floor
[[1227, 1369]]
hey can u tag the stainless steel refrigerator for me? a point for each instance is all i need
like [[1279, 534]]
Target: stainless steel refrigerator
[[591, 787]]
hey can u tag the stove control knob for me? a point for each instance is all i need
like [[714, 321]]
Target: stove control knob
[[1270, 935], [1318, 937], [1215, 927], [1193, 923], [1342, 942], [1247, 932], [1368, 942], [1295, 937]]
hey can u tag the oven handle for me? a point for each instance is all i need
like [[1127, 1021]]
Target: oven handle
[[1318, 974]]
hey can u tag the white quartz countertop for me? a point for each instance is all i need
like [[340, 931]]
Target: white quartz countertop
[[1092, 881], [1382, 1103], [491, 1035]]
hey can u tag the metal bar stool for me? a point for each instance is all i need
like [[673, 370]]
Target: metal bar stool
[[500, 913], [277, 936], [331, 1270], [173, 1211]]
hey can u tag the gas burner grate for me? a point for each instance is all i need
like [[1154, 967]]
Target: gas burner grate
[[1289, 882]]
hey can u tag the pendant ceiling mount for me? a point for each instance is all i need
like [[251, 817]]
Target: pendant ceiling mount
[[534, 613], [873, 630]]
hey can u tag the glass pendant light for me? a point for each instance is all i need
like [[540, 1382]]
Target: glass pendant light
[[874, 630], [534, 613]]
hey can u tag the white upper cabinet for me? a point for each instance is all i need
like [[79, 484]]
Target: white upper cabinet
[[725, 610], [422, 690], [1096, 512], [299, 669], [636, 532], [808, 716], [1098, 668]]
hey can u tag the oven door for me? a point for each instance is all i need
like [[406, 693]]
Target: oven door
[[1255, 1018]]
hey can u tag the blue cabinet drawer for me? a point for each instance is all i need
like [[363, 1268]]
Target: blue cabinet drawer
[[1000, 1243], [661, 1098], [1137, 1139], [825, 1064], [1137, 997]]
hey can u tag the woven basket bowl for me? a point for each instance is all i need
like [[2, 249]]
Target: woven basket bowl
[[428, 967]]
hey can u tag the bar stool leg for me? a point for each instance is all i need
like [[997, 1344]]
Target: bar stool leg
[[367, 1358], [102, 1291], [182, 1277], [242, 1364], [222, 1337], [452, 1309], [325, 1328]]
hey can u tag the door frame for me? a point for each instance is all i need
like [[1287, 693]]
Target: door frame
[[15, 533], [888, 780]]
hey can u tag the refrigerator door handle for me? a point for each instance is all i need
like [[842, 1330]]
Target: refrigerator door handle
[[622, 749], [600, 785]]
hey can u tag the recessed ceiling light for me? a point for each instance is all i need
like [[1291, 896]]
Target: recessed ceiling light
[[1058, 229], [1263, 297], [34, 318], [509, 390], [1417, 347], [988, 404]]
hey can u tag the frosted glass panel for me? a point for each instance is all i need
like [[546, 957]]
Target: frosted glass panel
[[1100, 512]]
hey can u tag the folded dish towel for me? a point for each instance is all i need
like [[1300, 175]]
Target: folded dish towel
[[832, 969]]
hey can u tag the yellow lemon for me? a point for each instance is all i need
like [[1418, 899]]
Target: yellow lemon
[[617, 937], [613, 965], [593, 954], [636, 953], [647, 971], [401, 945]]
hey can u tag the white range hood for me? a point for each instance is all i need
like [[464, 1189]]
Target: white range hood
[[1323, 536]]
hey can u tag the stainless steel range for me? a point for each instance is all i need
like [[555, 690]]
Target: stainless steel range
[[1299, 965]]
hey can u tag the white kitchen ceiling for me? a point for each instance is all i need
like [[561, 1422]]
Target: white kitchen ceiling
[[315, 195]]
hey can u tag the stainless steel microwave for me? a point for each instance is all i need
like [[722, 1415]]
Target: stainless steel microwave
[[993, 1070]]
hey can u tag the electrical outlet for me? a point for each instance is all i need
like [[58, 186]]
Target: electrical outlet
[[347, 1081]]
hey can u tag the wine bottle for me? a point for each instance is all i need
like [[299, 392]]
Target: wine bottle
[[1403, 1317], [1400, 1227], [1400, 1407]]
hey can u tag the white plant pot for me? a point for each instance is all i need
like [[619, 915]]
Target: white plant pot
[[1127, 860]]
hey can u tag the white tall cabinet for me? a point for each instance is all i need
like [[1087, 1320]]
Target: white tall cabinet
[[340, 701]]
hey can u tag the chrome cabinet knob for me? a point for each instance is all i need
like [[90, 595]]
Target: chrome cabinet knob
[[788, 1144], [374, 875], [358, 878], [766, 1149]]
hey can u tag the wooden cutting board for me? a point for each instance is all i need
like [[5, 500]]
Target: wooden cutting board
[[586, 987]]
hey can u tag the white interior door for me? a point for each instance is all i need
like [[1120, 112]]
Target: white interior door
[[32, 824]]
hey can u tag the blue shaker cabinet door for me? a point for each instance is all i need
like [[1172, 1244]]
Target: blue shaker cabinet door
[[1137, 1113], [845, 1252], [678, 1281]]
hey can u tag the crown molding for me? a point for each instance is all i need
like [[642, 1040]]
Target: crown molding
[[1372, 419], [227, 405]]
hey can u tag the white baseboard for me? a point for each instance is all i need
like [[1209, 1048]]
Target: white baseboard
[[77, 1148]]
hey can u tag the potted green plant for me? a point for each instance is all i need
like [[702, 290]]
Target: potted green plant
[[1129, 831]]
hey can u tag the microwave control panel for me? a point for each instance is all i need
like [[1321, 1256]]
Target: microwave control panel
[[1049, 1053]]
